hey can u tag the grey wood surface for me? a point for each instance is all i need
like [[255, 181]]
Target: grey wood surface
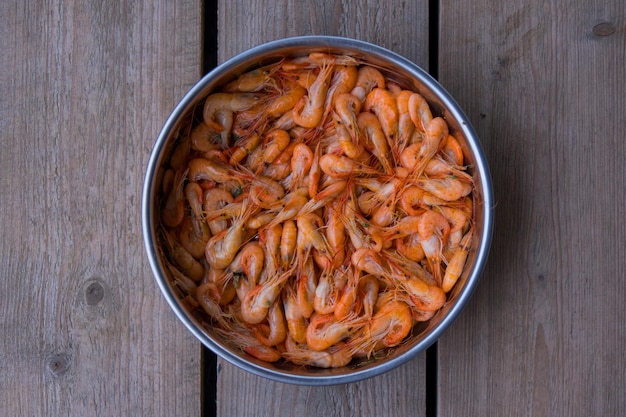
[[544, 85], [86, 87]]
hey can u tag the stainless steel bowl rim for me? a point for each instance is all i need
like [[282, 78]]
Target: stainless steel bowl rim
[[304, 42]]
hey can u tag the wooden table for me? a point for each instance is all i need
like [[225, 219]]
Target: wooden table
[[86, 87]]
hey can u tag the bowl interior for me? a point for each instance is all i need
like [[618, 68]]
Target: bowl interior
[[407, 75]]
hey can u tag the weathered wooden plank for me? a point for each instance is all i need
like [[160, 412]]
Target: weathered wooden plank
[[544, 85], [86, 86], [396, 25]]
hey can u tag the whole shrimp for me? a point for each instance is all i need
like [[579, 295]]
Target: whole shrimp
[[325, 330], [456, 263], [193, 235], [338, 166], [180, 257], [374, 139], [254, 80], [342, 81], [222, 247], [347, 107], [380, 102], [296, 323], [367, 79], [256, 304], [174, 208], [219, 109], [309, 110], [333, 357], [306, 283], [416, 156], [242, 338], [214, 200], [275, 331], [419, 111], [288, 242], [433, 230], [449, 188]]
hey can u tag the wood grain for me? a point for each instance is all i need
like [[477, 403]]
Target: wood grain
[[544, 85], [396, 25], [86, 87]]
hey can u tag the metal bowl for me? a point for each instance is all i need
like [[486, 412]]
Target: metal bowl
[[408, 75]]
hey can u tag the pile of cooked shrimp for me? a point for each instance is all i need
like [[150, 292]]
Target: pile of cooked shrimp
[[316, 212]]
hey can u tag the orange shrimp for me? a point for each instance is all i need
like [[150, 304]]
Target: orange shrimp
[[288, 243], [406, 127], [342, 81], [410, 247], [326, 293], [265, 192], [457, 263], [283, 104], [185, 262], [439, 168], [193, 235], [369, 261], [310, 235], [321, 59], [202, 169], [338, 166], [346, 143], [391, 324], [325, 330], [416, 156], [361, 233], [250, 261], [301, 163], [254, 80], [270, 238], [277, 172], [347, 303], [324, 197], [241, 337], [296, 323], [419, 111], [222, 247], [275, 142], [306, 283], [380, 102], [433, 230], [367, 79], [459, 220], [194, 195], [452, 151], [259, 220], [203, 138], [309, 110], [244, 147], [174, 209], [206, 297], [215, 199], [347, 107], [368, 293], [275, 331], [335, 232], [314, 173], [374, 138], [449, 188], [334, 357], [256, 303], [218, 104]]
